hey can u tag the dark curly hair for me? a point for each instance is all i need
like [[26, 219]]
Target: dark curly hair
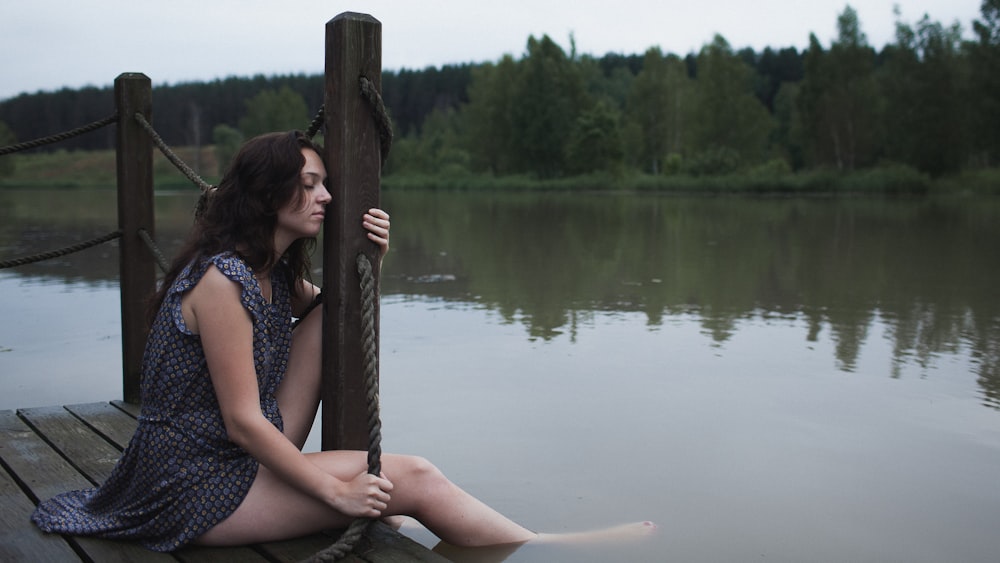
[[240, 215]]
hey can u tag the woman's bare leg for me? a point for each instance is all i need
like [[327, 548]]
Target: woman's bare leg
[[298, 394], [622, 532], [274, 510], [448, 511]]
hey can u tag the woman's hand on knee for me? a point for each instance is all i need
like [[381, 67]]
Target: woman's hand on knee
[[364, 496]]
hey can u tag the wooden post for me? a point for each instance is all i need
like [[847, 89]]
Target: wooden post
[[134, 94], [353, 50]]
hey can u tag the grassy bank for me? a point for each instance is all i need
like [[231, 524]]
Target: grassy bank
[[71, 169], [84, 169]]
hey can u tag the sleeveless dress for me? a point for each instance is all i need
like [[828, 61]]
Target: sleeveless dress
[[180, 475]]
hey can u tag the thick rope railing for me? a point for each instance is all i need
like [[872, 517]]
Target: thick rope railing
[[61, 252], [161, 260], [368, 89], [380, 114], [316, 124], [40, 142], [369, 347], [176, 160], [146, 238]]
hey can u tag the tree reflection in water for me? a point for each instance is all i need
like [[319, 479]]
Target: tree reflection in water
[[926, 268]]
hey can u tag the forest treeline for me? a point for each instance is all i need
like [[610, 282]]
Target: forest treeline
[[928, 102]]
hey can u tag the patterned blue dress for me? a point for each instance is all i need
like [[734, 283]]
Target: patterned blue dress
[[180, 475]]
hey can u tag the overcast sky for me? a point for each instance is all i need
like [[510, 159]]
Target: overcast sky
[[49, 44]]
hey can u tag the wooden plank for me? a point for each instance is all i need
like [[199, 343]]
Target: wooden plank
[[92, 455], [118, 551], [353, 50], [131, 408], [201, 554], [299, 549], [42, 470], [111, 423], [44, 473], [20, 540]]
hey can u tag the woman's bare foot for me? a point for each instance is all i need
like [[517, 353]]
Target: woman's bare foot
[[622, 533], [497, 553]]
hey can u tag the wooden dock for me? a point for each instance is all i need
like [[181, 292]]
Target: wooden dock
[[48, 450]]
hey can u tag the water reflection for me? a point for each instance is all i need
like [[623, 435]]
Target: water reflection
[[927, 270]]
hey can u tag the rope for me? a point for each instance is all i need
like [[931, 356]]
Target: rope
[[380, 114], [317, 123], [345, 544], [369, 346], [184, 168], [59, 136], [143, 234], [61, 252], [161, 261]]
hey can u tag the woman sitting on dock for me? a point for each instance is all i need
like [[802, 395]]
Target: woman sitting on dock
[[230, 391]]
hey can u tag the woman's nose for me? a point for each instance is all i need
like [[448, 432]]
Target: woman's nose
[[324, 195]]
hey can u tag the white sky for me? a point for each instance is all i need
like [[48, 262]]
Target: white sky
[[48, 44]]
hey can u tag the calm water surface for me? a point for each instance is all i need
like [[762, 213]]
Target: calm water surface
[[767, 379]]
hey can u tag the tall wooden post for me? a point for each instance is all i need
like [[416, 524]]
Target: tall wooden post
[[134, 94], [353, 50]]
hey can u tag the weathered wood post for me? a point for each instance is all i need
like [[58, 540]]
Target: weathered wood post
[[353, 50], [134, 94]]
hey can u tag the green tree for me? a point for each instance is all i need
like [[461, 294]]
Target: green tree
[[595, 143], [608, 78], [775, 69], [548, 96], [840, 103], [7, 138], [927, 83], [984, 55], [658, 107], [437, 149], [487, 116], [403, 156], [730, 126], [414, 94], [272, 110], [788, 131]]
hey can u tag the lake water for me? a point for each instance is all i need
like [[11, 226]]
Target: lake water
[[766, 379]]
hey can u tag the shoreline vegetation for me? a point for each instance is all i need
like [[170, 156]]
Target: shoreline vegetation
[[95, 169], [913, 117]]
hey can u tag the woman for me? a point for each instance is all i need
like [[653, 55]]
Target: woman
[[230, 392]]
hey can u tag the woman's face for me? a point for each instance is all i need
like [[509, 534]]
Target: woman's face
[[302, 217]]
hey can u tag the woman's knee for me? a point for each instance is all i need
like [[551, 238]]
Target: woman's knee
[[415, 470]]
